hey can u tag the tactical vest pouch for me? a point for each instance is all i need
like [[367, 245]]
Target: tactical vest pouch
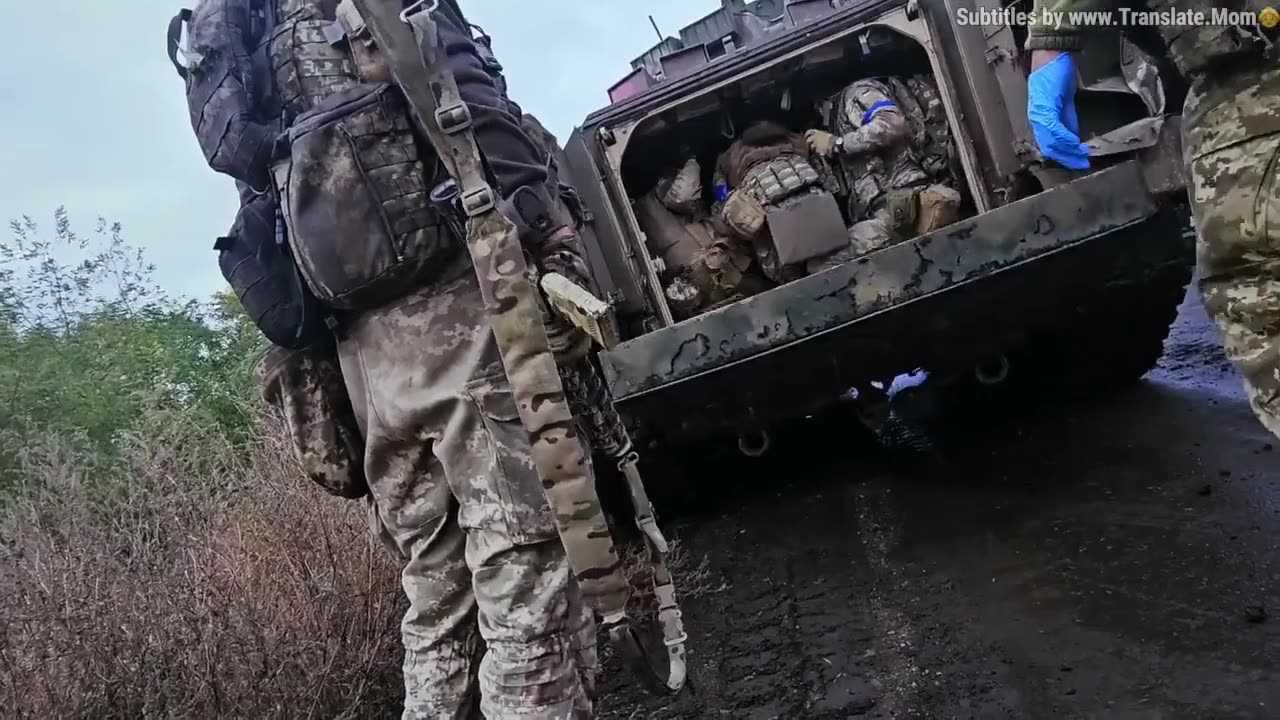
[[939, 207], [902, 208], [356, 200], [306, 67], [306, 388], [743, 213], [782, 177], [255, 260]]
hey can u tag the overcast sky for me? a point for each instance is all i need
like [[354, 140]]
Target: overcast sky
[[94, 116]]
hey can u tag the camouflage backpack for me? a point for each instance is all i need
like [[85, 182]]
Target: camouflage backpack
[[279, 101], [932, 143]]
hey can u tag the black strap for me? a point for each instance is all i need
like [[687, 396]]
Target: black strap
[[175, 39]]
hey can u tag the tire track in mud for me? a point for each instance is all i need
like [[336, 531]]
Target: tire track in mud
[[811, 623], [790, 634], [932, 659]]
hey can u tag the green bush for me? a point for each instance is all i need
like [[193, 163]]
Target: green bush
[[87, 341]]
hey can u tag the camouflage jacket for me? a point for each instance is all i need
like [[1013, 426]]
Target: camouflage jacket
[[1194, 48]]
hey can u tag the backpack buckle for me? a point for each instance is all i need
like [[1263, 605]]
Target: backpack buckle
[[453, 119], [478, 202], [427, 6]]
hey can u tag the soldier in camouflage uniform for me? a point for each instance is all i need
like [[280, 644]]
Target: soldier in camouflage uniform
[[497, 622], [1231, 140], [870, 139], [450, 467]]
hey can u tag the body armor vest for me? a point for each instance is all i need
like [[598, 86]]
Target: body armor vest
[[768, 163], [760, 142], [775, 180], [305, 66]]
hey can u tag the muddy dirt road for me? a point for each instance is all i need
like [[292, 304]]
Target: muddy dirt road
[[1109, 560]]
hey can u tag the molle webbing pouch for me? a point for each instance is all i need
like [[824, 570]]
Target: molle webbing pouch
[[306, 388], [743, 213], [306, 66], [903, 208], [356, 200], [781, 177], [255, 261]]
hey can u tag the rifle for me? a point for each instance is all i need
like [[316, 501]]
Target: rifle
[[409, 41]]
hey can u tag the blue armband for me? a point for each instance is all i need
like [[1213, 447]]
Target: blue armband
[[877, 107]]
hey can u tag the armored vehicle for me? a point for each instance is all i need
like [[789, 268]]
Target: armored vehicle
[[1047, 281]]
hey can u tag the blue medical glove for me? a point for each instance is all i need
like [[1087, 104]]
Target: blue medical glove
[[1051, 109]]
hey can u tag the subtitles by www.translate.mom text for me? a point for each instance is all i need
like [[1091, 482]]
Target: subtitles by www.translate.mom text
[[1123, 17]]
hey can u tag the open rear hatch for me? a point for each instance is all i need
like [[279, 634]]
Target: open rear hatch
[[833, 322]]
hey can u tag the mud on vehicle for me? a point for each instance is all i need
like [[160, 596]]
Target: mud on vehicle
[[1049, 280]]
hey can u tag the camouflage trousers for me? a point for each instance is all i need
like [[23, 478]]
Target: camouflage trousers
[[1231, 137], [494, 609]]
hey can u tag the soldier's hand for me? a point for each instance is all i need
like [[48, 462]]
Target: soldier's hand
[[1051, 109], [561, 253], [821, 142]]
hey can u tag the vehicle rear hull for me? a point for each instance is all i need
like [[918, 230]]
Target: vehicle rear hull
[[947, 300]]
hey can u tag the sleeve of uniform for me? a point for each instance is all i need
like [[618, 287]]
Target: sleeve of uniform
[[512, 157], [877, 118], [1050, 26]]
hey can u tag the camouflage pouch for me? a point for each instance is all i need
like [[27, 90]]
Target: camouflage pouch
[[743, 214], [903, 208], [356, 200], [306, 388], [939, 207]]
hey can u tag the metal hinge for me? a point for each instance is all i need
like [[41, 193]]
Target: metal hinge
[[997, 54]]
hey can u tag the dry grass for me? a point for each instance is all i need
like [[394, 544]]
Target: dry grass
[[692, 573], [211, 583], [198, 579]]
